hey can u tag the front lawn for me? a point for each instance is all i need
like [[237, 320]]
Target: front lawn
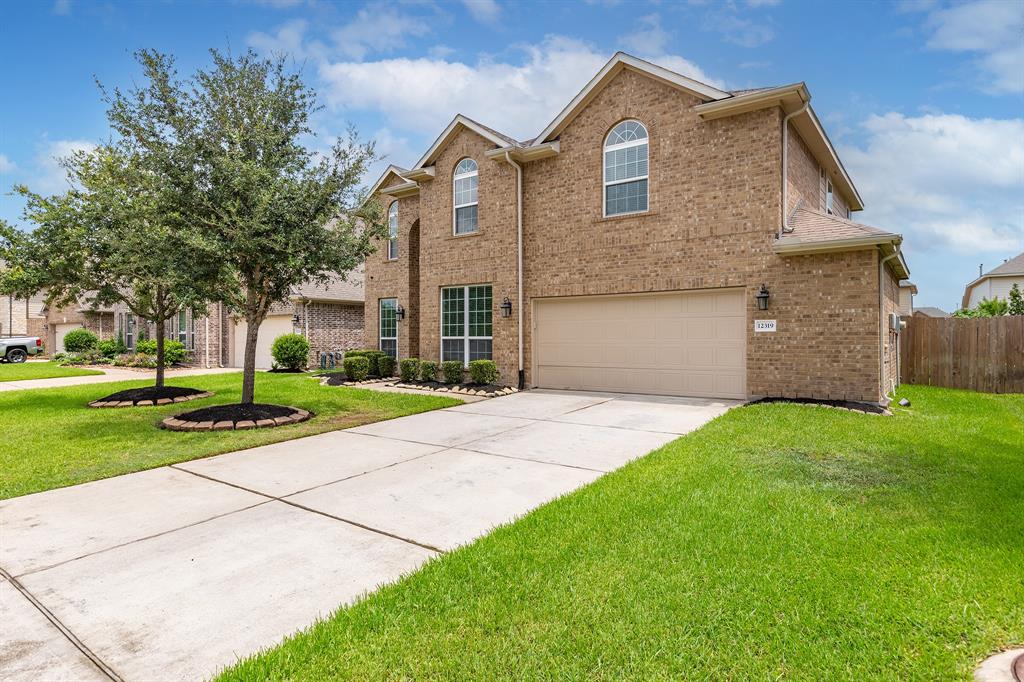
[[51, 439], [40, 370], [780, 541]]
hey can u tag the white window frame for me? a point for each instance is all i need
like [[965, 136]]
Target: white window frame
[[623, 145], [393, 231], [455, 207], [129, 331], [465, 337], [380, 319]]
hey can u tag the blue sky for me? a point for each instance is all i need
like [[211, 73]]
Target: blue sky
[[924, 99]]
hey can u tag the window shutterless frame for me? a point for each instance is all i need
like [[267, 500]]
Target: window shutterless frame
[[388, 326], [467, 323], [625, 170], [465, 183], [393, 231]]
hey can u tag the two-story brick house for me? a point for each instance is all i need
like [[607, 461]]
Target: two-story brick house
[[660, 236]]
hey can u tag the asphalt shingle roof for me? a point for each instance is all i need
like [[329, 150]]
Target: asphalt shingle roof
[[1014, 266], [811, 226]]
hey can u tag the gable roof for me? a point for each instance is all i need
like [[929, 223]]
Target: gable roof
[[453, 128], [619, 62], [1014, 266], [930, 311], [391, 169]]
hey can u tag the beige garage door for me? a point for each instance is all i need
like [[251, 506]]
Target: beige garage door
[[690, 344], [273, 326]]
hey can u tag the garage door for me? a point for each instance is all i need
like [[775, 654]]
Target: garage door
[[61, 331], [689, 344], [273, 326]]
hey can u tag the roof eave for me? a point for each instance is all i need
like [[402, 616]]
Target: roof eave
[[525, 154], [446, 136], [790, 97], [405, 189]]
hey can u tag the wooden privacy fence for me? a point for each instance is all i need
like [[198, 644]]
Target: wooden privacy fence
[[981, 354]]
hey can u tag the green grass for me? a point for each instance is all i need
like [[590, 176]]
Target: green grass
[[51, 439], [40, 370], [778, 542]]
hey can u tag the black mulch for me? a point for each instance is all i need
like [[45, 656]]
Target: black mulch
[[236, 412], [150, 393], [845, 404], [285, 370]]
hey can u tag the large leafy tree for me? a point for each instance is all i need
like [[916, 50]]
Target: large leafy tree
[[115, 237], [273, 212]]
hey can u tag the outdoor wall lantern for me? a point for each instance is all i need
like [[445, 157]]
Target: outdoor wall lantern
[[506, 308], [400, 312], [295, 320], [762, 298]]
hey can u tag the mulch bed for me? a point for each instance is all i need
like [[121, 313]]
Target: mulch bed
[[866, 408], [236, 416], [284, 370], [339, 379], [487, 390], [150, 395]]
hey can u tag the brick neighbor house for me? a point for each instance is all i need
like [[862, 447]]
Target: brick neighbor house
[[330, 316], [625, 247]]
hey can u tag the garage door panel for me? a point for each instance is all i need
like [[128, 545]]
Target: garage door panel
[[680, 343], [271, 328]]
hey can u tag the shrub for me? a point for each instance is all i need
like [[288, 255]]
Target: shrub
[[87, 357], [386, 366], [374, 356], [483, 371], [79, 340], [110, 349], [357, 353], [135, 360], [290, 351], [452, 371], [356, 367], [409, 369], [428, 370], [174, 351]]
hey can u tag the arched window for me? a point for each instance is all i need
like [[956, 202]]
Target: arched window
[[393, 231], [625, 169], [464, 191]]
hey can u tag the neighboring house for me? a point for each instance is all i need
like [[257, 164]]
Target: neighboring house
[[996, 283], [930, 311], [22, 315], [330, 316], [650, 212], [907, 292]]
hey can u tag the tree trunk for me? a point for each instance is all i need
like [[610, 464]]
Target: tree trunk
[[252, 329], [160, 325]]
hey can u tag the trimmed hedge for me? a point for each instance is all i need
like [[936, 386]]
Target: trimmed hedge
[[110, 349], [372, 356], [483, 372], [174, 350], [79, 341], [356, 367], [409, 369], [428, 370], [451, 370], [290, 351], [385, 366]]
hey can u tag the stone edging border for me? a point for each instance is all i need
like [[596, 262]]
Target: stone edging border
[[149, 403], [459, 390], [296, 417]]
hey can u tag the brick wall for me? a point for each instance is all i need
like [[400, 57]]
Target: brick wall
[[804, 177], [331, 327], [890, 304]]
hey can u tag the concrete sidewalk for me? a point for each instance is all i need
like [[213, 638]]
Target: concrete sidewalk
[[176, 572], [110, 374]]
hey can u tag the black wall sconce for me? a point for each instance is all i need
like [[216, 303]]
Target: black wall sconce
[[400, 312], [506, 308], [295, 320], [762, 298]]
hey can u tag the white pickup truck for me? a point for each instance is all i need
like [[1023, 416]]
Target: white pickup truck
[[18, 348]]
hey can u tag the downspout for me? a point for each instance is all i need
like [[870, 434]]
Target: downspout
[[882, 327], [519, 261], [785, 166], [207, 341]]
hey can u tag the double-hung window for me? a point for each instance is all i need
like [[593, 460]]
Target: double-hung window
[[393, 231], [464, 186], [625, 169], [389, 326], [466, 323]]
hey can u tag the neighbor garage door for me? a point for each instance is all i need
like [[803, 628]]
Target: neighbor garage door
[[689, 344], [273, 326]]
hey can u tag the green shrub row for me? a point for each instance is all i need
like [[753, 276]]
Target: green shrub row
[[428, 370], [409, 369], [357, 367], [174, 350], [483, 372], [381, 364]]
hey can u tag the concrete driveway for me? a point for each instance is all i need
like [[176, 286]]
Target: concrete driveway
[[176, 572]]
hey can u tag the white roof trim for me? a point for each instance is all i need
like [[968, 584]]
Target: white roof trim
[[390, 169], [618, 62], [450, 131]]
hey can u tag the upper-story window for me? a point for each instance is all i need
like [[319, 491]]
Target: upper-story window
[[625, 169], [393, 231], [829, 200], [464, 190]]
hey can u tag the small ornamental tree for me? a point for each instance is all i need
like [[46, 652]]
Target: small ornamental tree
[[273, 213], [1016, 301]]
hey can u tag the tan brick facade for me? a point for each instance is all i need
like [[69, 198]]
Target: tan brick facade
[[714, 211]]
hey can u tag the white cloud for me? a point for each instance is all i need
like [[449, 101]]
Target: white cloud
[[422, 95], [377, 29], [763, 3], [484, 11], [62, 7], [6, 165], [737, 29], [648, 38], [49, 177], [289, 39], [991, 28], [944, 181]]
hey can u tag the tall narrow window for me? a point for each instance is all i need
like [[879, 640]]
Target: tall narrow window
[[464, 185], [393, 231], [829, 204], [129, 331], [625, 169], [466, 323], [183, 328], [389, 326]]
